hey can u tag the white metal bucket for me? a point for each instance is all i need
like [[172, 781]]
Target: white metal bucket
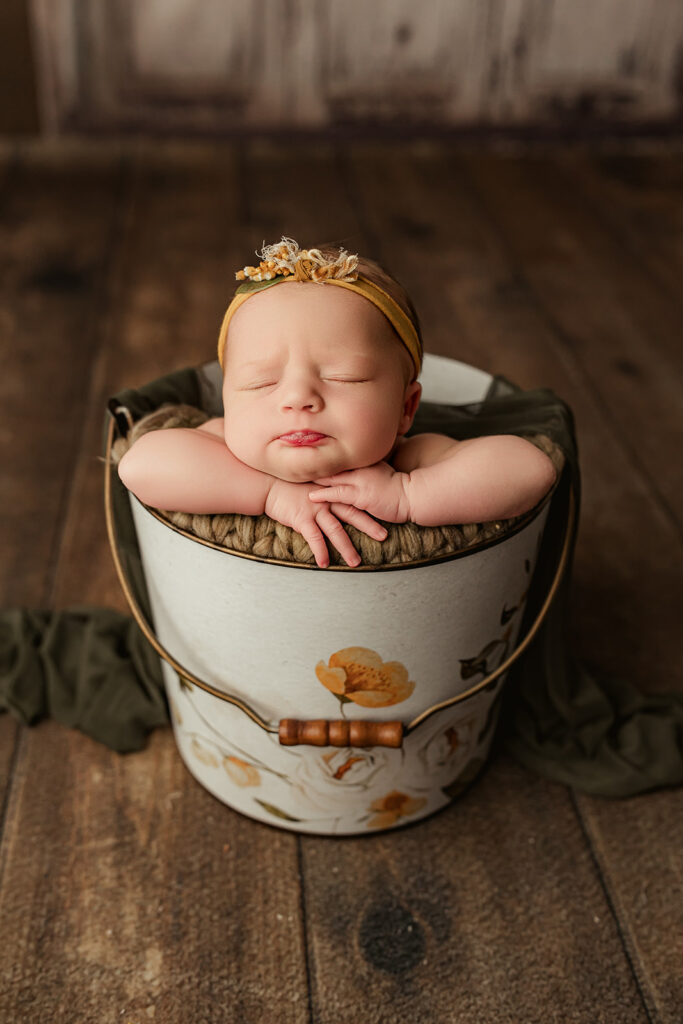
[[374, 643]]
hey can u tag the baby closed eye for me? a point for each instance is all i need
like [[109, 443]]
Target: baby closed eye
[[330, 380], [272, 382]]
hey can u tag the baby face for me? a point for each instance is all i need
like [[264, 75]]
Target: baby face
[[315, 382]]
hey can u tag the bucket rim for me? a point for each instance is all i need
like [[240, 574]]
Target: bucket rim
[[490, 542]]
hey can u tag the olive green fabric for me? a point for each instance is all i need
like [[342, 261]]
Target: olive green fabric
[[92, 669], [88, 668]]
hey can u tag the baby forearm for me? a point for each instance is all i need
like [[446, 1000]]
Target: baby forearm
[[484, 479], [184, 470]]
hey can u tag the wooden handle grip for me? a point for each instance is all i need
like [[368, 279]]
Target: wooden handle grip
[[322, 733]]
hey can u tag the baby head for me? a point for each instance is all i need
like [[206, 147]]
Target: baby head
[[318, 379]]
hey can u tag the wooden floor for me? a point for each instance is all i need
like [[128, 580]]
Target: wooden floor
[[127, 893]]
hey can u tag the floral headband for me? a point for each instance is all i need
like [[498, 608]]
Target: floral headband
[[285, 261]]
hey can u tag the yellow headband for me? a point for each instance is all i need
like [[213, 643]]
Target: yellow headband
[[309, 265]]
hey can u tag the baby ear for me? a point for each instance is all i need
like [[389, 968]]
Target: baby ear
[[411, 400]]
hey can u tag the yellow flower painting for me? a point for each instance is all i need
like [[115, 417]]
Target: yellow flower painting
[[358, 674]]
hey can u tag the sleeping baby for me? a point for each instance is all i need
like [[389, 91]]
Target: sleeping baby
[[320, 388]]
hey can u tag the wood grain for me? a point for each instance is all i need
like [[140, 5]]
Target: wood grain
[[637, 845], [636, 197], [58, 221], [614, 318], [51, 274]]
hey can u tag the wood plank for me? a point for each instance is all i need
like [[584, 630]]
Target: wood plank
[[58, 218], [637, 844], [489, 307], [605, 310], [637, 196], [124, 880], [50, 279]]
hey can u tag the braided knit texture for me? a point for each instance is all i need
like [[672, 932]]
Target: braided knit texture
[[266, 538]]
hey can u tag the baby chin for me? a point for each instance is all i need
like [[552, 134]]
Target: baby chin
[[300, 465]]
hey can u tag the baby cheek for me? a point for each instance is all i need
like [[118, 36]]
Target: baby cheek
[[378, 422], [237, 436]]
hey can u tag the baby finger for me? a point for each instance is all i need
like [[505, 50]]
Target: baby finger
[[316, 542], [360, 519], [339, 537], [340, 492]]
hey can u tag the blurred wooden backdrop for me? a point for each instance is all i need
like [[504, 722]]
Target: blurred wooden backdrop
[[226, 66]]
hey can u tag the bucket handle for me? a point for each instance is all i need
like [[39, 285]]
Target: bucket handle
[[318, 732]]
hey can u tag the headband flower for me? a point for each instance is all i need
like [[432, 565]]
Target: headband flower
[[285, 258]]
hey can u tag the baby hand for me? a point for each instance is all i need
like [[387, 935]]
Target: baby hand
[[289, 504], [379, 489]]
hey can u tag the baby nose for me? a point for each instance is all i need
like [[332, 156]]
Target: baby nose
[[302, 393]]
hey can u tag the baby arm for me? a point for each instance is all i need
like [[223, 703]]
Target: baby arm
[[193, 470], [188, 470], [477, 480], [436, 481]]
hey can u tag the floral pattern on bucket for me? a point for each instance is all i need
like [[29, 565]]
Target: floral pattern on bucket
[[241, 772], [481, 662], [321, 780], [359, 674], [345, 788], [213, 749], [393, 806], [443, 755]]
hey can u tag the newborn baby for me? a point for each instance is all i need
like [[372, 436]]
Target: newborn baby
[[319, 390]]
